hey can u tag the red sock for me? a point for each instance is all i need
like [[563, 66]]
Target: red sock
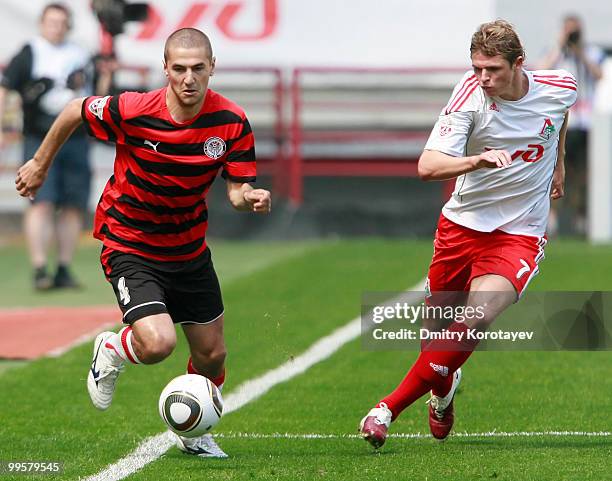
[[409, 390], [190, 368], [433, 369], [444, 389], [217, 381], [443, 357]]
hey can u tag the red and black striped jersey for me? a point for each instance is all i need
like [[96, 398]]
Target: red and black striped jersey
[[154, 204]]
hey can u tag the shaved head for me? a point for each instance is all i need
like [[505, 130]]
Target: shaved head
[[187, 38]]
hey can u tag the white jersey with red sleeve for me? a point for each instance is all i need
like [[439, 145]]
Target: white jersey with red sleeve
[[514, 199]]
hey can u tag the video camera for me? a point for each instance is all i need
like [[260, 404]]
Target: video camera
[[113, 14]]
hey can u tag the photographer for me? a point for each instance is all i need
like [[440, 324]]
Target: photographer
[[49, 72], [583, 60]]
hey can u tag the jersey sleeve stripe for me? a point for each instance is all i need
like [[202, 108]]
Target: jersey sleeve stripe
[[460, 100], [115, 115], [556, 79], [84, 118], [466, 97], [235, 178], [110, 133], [242, 155], [571, 87], [240, 143], [567, 77], [464, 87]]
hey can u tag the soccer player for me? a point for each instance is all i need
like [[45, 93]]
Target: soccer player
[[152, 216], [502, 136]]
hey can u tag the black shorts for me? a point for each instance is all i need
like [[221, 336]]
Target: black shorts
[[188, 291]]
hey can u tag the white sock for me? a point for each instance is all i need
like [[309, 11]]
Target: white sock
[[121, 344]]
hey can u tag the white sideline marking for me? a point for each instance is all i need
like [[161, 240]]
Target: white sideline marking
[[89, 336], [490, 434], [154, 447]]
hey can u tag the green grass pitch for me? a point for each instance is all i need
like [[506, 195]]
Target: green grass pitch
[[280, 298]]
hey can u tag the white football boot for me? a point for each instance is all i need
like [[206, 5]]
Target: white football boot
[[203, 446], [105, 368]]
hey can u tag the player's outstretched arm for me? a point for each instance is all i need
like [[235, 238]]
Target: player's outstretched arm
[[243, 196], [33, 173], [435, 165]]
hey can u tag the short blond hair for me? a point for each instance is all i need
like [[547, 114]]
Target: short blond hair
[[497, 38]]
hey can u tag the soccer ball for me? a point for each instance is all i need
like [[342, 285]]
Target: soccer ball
[[191, 405]]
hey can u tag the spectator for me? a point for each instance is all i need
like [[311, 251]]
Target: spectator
[[583, 60], [47, 73]]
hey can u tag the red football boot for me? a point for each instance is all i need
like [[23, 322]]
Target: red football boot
[[441, 410], [375, 424]]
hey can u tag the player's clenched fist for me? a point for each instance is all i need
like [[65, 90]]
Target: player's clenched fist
[[29, 178], [259, 199], [492, 159]]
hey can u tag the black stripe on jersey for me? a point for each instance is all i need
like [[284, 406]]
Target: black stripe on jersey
[[196, 148], [204, 121], [167, 148], [242, 155], [234, 178], [178, 250], [246, 128], [175, 169], [113, 108], [150, 227], [159, 209], [165, 190], [109, 132]]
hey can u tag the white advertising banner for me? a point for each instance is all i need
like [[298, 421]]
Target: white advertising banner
[[283, 33]]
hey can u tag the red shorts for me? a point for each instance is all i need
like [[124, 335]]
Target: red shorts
[[462, 254]]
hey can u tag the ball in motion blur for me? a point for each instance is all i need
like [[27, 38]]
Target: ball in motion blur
[[191, 405]]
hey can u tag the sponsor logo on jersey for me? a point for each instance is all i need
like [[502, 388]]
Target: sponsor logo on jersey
[[214, 147], [441, 370], [533, 153], [97, 106], [494, 107], [548, 129], [151, 144]]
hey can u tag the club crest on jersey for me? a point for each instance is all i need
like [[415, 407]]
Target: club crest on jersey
[[97, 106], [548, 129], [214, 147]]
